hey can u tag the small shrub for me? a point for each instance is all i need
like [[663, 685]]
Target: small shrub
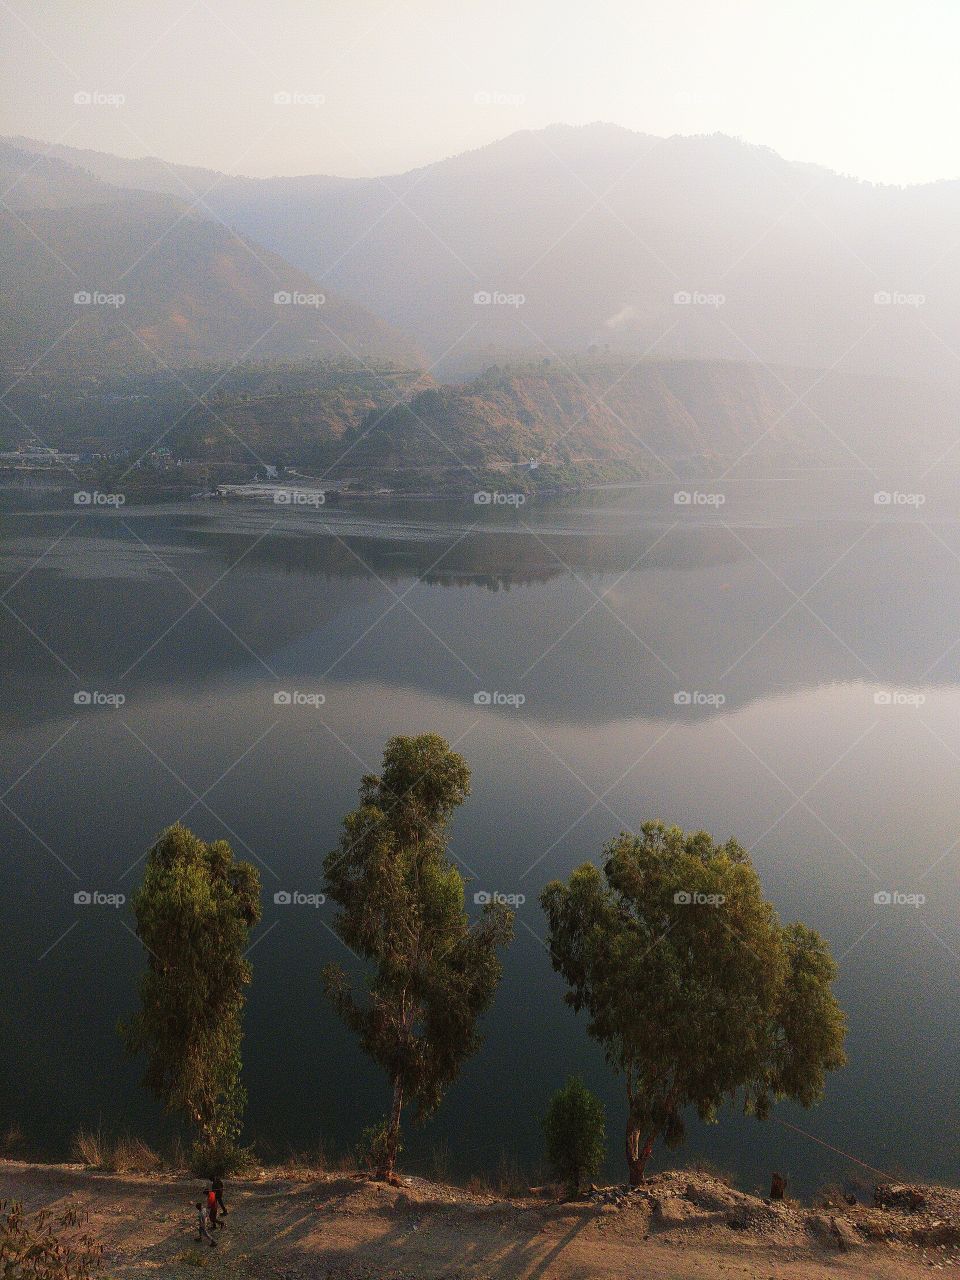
[[45, 1245], [440, 1161], [132, 1155], [178, 1157], [194, 1258], [511, 1180], [89, 1148], [12, 1140], [121, 1155], [372, 1148], [218, 1159], [576, 1134], [306, 1163]]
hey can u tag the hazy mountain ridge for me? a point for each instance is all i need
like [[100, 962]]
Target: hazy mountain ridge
[[599, 228], [98, 279], [542, 242]]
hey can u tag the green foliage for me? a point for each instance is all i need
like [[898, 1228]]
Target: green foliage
[[195, 909], [220, 1155], [402, 911], [692, 985], [47, 1244], [576, 1134], [373, 1148]]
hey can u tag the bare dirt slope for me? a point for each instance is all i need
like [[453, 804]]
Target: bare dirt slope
[[340, 1227]]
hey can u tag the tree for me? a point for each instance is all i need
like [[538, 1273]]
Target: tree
[[402, 910], [576, 1134], [693, 987], [195, 909]]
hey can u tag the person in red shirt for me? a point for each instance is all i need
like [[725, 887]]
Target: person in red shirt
[[212, 1208]]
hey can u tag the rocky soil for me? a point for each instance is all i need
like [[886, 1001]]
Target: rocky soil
[[343, 1227]]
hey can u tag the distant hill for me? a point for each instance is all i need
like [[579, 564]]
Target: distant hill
[[659, 419], [593, 419], [99, 279], [599, 228]]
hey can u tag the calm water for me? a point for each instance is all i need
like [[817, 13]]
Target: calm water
[[783, 614]]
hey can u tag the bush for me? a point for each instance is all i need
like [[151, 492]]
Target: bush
[[372, 1147], [46, 1245], [218, 1159], [576, 1134]]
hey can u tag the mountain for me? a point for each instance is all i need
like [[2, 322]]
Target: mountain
[[599, 229], [97, 278]]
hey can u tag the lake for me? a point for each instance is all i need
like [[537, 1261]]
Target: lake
[[783, 666]]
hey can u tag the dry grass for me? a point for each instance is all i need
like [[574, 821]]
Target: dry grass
[[118, 1155], [510, 1179], [710, 1169], [440, 1161], [12, 1140], [305, 1164]]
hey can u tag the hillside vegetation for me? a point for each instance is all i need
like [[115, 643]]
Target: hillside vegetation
[[586, 420], [100, 280]]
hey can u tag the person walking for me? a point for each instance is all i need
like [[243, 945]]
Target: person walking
[[217, 1185], [203, 1217], [212, 1208]]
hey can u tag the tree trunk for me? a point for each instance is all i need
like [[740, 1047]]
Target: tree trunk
[[386, 1171], [637, 1154]]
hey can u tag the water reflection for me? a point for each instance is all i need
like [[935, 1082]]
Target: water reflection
[[786, 633]]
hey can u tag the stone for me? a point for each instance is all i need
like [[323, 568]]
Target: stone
[[898, 1195], [670, 1211], [845, 1234]]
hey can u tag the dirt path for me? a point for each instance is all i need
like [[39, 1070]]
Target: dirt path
[[339, 1228]]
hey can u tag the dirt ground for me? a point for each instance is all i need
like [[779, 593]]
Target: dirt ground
[[341, 1227]]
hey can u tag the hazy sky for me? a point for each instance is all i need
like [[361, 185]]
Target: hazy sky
[[868, 87]]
